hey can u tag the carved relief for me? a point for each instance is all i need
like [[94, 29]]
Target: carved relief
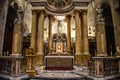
[[59, 3]]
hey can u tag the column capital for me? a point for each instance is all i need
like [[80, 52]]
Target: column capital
[[34, 11], [68, 17], [84, 12], [50, 16], [42, 11], [77, 11]]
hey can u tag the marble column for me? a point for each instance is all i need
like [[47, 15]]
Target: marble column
[[78, 33], [85, 33], [41, 34], [40, 39], [17, 36], [78, 54], [3, 17], [68, 34], [50, 33], [33, 30]]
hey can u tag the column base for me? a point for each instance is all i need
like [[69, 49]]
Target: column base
[[86, 53], [31, 72], [16, 55], [101, 55], [82, 60], [39, 59]]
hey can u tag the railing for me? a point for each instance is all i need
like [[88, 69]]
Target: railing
[[10, 65], [103, 66]]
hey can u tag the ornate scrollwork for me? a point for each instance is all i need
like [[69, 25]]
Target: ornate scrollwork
[[59, 3], [59, 6]]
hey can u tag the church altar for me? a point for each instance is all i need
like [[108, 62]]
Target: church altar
[[59, 62]]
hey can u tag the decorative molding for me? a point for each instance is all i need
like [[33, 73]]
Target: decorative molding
[[60, 6]]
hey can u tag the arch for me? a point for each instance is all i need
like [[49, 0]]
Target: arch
[[109, 29], [9, 29]]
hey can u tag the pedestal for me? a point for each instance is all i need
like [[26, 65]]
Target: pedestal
[[16, 64], [82, 60], [10, 65], [30, 65]]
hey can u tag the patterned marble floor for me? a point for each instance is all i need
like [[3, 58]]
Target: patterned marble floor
[[60, 75]]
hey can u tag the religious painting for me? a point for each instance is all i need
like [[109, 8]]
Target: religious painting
[[59, 47]]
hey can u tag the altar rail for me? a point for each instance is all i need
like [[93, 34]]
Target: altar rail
[[10, 65], [104, 66]]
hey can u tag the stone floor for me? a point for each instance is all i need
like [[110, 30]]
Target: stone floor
[[79, 73]]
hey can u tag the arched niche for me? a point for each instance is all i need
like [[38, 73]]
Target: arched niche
[[109, 28], [9, 29]]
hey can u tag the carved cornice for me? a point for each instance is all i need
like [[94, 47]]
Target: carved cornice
[[60, 6]]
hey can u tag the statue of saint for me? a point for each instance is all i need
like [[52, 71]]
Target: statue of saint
[[99, 14]]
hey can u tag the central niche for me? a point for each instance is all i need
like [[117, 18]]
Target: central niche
[[59, 25], [59, 32]]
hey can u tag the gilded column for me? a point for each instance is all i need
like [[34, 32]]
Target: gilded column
[[17, 36], [78, 54], [68, 34], [41, 34], [33, 30], [85, 33], [78, 36], [85, 43], [40, 37], [50, 34]]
